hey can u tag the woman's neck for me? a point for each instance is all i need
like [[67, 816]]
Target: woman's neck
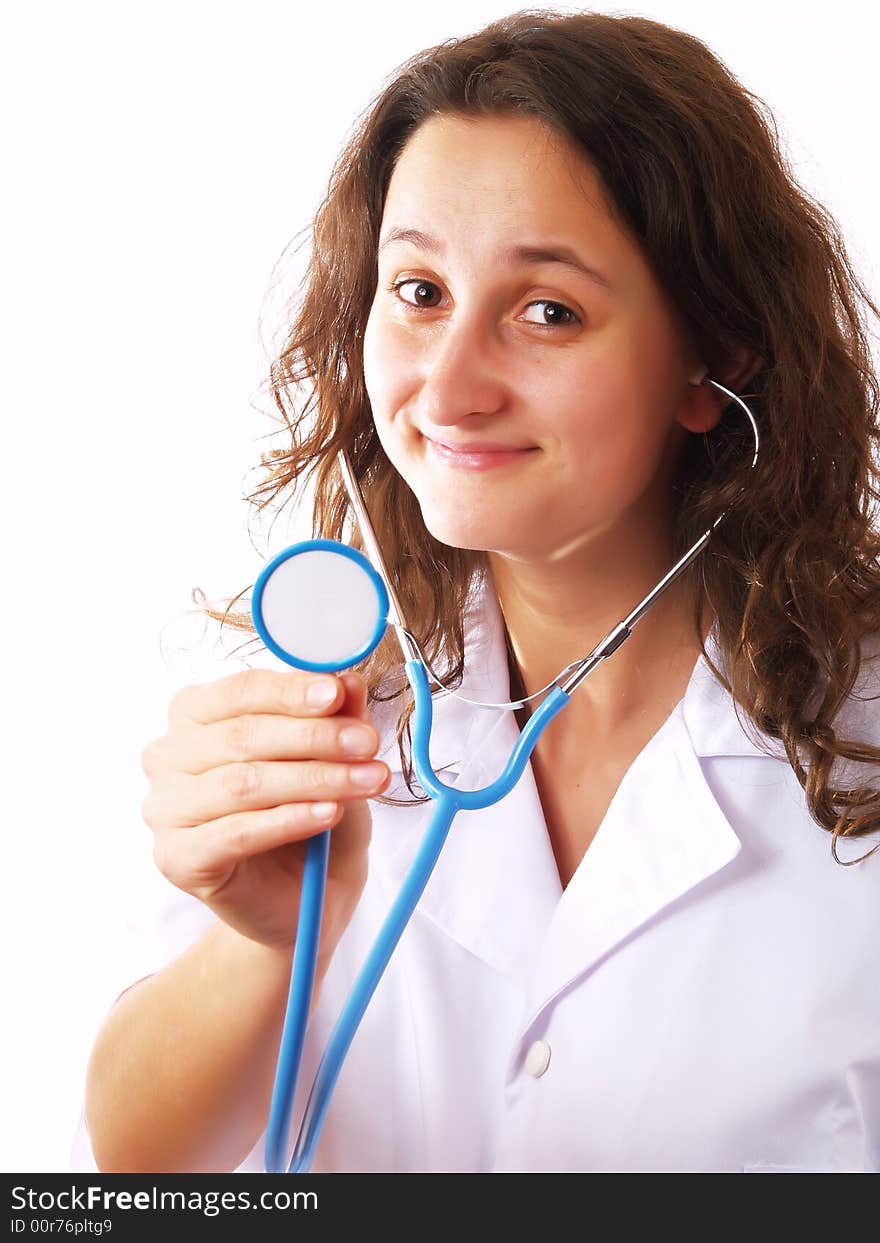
[[646, 669]]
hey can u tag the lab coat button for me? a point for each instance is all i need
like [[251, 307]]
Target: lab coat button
[[538, 1058]]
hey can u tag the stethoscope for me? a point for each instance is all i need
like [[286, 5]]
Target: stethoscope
[[326, 638]]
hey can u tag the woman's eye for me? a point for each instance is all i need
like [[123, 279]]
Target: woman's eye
[[554, 314], [419, 292]]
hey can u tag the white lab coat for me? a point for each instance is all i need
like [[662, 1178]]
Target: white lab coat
[[703, 996]]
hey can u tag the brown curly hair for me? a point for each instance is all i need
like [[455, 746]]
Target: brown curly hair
[[692, 162]]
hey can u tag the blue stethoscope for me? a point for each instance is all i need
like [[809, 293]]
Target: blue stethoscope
[[325, 638]]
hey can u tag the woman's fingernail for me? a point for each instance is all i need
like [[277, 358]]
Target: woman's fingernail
[[323, 811], [368, 776], [357, 739], [320, 694]]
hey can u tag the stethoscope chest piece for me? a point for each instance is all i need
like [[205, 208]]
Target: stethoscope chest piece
[[320, 606]]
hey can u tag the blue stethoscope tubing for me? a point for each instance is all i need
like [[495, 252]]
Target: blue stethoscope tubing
[[449, 801]]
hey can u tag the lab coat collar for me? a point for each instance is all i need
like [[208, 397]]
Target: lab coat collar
[[496, 888]]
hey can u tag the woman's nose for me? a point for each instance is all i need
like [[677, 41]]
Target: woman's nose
[[462, 374]]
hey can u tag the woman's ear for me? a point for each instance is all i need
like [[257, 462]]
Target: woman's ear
[[702, 406]]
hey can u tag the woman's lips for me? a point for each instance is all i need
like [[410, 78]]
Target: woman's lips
[[474, 459]]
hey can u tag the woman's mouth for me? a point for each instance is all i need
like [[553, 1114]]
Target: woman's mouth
[[476, 456]]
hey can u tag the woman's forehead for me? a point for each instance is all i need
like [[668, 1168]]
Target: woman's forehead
[[493, 156], [493, 185]]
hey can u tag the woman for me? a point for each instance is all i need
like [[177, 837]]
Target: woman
[[654, 954]]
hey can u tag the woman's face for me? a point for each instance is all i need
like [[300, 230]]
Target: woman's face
[[473, 342]]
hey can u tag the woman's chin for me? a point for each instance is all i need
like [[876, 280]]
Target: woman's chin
[[476, 535], [454, 537]]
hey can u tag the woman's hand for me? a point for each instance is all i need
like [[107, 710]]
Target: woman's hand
[[247, 772]]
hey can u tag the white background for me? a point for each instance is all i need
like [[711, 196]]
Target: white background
[[157, 160]]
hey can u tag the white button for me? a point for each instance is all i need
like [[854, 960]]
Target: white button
[[538, 1058]]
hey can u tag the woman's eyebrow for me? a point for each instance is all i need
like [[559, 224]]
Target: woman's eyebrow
[[521, 254]]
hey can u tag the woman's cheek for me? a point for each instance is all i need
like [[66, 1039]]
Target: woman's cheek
[[388, 442], [372, 368], [385, 371]]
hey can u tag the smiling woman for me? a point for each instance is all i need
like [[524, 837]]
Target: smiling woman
[[533, 251], [593, 133], [489, 324]]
